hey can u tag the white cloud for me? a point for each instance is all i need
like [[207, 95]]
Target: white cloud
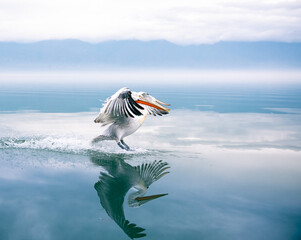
[[206, 131], [182, 22]]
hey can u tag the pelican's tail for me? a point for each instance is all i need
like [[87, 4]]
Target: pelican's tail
[[102, 138]]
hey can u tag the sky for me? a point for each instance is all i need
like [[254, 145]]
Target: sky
[[159, 77], [181, 22]]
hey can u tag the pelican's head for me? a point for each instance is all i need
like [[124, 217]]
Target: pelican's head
[[137, 199], [145, 99]]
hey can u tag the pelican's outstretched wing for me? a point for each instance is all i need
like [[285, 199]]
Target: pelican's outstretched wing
[[131, 229], [111, 192], [153, 105], [151, 172], [155, 111], [121, 104]]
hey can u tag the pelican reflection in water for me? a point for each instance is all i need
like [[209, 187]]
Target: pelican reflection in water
[[113, 186]]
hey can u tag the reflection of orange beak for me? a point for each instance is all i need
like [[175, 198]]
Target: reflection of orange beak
[[151, 197], [154, 105]]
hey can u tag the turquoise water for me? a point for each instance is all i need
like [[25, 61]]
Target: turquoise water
[[229, 154], [218, 98]]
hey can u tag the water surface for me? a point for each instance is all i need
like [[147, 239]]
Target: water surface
[[229, 155]]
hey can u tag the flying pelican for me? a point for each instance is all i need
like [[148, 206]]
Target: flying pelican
[[113, 186], [124, 112]]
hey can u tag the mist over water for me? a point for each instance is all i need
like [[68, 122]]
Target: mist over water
[[219, 91], [233, 152]]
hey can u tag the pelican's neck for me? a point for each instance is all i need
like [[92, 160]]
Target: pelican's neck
[[132, 202], [142, 118]]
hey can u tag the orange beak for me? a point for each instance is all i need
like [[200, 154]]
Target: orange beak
[[157, 106], [148, 198]]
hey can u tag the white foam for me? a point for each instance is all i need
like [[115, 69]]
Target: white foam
[[63, 132], [67, 144]]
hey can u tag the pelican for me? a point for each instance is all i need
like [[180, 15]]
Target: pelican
[[124, 112], [113, 186]]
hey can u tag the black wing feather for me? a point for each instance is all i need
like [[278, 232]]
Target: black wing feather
[[123, 105]]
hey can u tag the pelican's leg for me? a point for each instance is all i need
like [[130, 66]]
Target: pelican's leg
[[121, 146], [125, 145]]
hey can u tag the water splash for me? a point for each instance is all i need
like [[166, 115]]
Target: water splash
[[65, 144]]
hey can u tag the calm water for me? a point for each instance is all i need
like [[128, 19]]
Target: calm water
[[224, 164]]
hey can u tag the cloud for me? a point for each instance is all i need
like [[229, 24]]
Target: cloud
[[212, 131], [183, 22], [72, 132]]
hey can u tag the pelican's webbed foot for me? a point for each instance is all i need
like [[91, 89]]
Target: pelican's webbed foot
[[123, 145]]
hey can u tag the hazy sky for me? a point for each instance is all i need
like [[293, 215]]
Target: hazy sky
[[161, 78], [184, 22]]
